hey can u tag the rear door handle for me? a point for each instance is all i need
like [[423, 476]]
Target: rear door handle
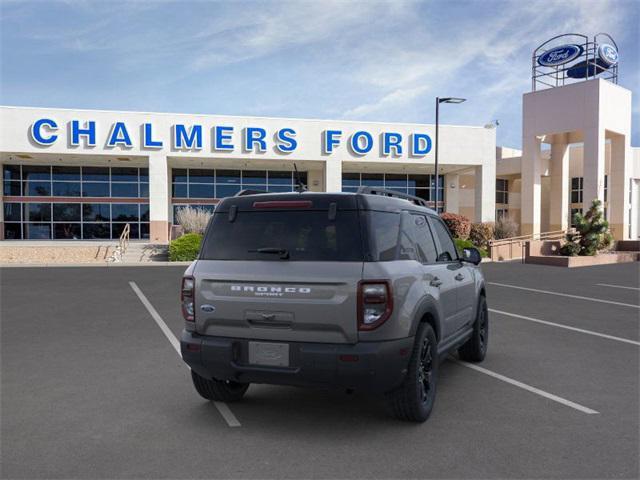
[[435, 282], [459, 277]]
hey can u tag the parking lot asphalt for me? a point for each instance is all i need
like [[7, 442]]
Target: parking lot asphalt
[[93, 388]]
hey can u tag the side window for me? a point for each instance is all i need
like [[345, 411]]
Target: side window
[[407, 241], [424, 240], [447, 251], [385, 227]]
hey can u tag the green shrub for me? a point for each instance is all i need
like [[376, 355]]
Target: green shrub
[[481, 233], [592, 233], [459, 225], [185, 248], [570, 249], [462, 244]]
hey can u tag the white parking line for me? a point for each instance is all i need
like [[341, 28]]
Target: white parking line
[[616, 286], [222, 407], [590, 299], [566, 327], [529, 388]]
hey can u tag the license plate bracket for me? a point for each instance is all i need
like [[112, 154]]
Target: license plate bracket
[[269, 354]]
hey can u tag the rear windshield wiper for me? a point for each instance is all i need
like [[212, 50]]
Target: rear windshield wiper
[[283, 252]]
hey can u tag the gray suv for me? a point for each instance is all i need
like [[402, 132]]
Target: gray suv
[[360, 290]]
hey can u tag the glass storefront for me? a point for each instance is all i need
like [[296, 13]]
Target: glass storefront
[[209, 183], [63, 214], [74, 221], [422, 186], [200, 184]]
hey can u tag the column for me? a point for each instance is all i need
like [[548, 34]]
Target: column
[[593, 167], [332, 175], [452, 192], [559, 196], [485, 192], [158, 198], [315, 180], [618, 188], [531, 188]]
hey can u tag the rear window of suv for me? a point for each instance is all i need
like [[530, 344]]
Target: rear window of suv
[[305, 235]]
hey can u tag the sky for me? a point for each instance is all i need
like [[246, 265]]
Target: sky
[[344, 60]]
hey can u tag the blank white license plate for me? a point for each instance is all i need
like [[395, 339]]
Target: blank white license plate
[[271, 354]]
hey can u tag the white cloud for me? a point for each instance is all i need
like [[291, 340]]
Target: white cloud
[[488, 55]]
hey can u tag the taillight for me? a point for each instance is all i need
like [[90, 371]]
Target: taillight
[[186, 297], [375, 303]]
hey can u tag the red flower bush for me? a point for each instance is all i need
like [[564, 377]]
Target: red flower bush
[[459, 225]]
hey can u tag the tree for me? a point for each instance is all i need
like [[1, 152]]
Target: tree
[[591, 235]]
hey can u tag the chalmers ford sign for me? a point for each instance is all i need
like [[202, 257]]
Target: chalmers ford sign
[[222, 138]]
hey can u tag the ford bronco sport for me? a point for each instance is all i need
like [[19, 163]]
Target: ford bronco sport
[[358, 290]]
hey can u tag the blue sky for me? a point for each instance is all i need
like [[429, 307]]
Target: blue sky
[[365, 60]]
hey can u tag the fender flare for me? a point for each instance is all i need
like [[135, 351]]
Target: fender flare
[[428, 306]]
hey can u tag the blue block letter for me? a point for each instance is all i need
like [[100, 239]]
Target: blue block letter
[[255, 135], [119, 136], [36, 131], [184, 139], [286, 140], [421, 144], [330, 140], [147, 138], [355, 142], [89, 131], [221, 137], [391, 140]]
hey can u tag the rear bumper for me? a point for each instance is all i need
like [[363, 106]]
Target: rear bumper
[[370, 366]]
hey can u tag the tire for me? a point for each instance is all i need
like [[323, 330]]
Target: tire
[[413, 400], [475, 349], [217, 390]]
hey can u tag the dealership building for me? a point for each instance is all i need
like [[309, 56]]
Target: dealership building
[[85, 174]]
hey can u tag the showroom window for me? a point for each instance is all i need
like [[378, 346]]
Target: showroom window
[[219, 183], [74, 221], [502, 190], [204, 185], [64, 213], [63, 181], [502, 213], [422, 186], [576, 190]]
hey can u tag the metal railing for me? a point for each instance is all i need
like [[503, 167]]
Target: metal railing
[[123, 244], [514, 247]]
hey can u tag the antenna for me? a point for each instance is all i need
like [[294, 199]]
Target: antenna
[[300, 187]]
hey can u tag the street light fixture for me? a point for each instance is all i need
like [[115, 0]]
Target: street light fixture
[[438, 102]]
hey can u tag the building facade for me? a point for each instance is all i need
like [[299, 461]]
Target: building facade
[[85, 174]]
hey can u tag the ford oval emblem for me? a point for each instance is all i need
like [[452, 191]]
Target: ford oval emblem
[[608, 54], [560, 55], [207, 308]]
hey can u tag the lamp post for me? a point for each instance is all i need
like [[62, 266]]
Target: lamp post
[[438, 102]]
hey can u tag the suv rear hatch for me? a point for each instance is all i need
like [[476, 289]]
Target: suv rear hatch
[[281, 267]]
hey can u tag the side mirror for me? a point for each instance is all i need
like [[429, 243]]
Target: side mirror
[[471, 255]]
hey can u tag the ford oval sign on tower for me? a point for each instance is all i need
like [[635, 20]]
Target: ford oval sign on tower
[[608, 54], [571, 57], [560, 55]]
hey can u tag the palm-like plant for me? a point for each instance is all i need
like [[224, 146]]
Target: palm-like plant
[[591, 233]]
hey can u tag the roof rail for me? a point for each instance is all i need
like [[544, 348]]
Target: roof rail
[[393, 193], [248, 191]]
